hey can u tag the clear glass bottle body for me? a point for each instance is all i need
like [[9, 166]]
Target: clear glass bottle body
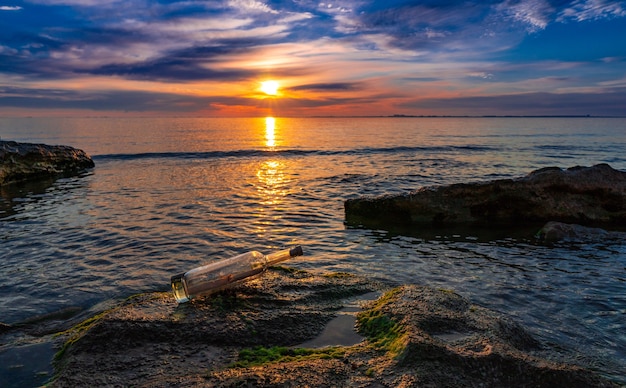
[[219, 275]]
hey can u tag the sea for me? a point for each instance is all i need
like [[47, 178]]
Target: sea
[[170, 194]]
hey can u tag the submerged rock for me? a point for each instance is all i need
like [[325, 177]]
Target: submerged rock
[[558, 231], [249, 336], [582, 195], [26, 161], [4, 327]]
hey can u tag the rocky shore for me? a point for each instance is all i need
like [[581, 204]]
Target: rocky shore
[[27, 162], [269, 331], [252, 335]]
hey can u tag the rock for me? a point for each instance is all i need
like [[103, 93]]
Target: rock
[[4, 327], [249, 336], [581, 195], [153, 341], [26, 161], [436, 338], [558, 231]]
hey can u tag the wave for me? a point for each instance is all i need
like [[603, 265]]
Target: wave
[[186, 155], [289, 152]]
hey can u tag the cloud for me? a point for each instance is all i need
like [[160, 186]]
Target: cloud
[[453, 27], [581, 10], [608, 103], [251, 6], [7, 51], [191, 64], [470, 29], [321, 49], [163, 46], [122, 35], [535, 14], [338, 86], [112, 100], [83, 3], [480, 74]]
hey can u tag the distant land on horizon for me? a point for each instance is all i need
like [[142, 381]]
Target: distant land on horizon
[[318, 116]]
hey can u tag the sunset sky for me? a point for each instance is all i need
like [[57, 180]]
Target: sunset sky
[[362, 57]]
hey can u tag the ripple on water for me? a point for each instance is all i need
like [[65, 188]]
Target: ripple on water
[[152, 209]]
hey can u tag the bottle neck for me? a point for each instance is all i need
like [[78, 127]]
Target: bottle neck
[[283, 255]]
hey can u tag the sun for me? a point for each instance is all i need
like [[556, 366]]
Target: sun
[[269, 87]]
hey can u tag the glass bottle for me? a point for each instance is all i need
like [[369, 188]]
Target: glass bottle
[[221, 274]]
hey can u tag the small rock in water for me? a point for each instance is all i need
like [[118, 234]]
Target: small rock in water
[[558, 231]]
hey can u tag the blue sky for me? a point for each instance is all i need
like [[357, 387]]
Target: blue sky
[[130, 57]]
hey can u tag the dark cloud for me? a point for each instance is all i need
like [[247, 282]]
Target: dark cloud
[[309, 103], [340, 86], [32, 65], [170, 70], [132, 101], [611, 103], [427, 24], [119, 37], [190, 64], [53, 55], [421, 79]]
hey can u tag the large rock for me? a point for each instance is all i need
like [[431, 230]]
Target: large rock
[[416, 336], [581, 195], [26, 161]]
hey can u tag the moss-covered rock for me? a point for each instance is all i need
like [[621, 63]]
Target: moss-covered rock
[[432, 337], [151, 340], [251, 336]]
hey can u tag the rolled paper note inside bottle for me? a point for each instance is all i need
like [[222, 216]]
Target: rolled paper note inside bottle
[[221, 274]]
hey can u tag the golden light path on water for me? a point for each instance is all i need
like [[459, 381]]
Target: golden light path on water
[[270, 128], [272, 186]]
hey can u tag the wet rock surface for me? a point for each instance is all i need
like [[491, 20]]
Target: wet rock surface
[[29, 162], [153, 341], [416, 336], [579, 195]]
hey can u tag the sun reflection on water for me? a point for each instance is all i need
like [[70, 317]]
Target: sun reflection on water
[[270, 127], [273, 182], [272, 188]]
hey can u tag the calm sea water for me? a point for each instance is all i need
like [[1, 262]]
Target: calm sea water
[[171, 194]]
